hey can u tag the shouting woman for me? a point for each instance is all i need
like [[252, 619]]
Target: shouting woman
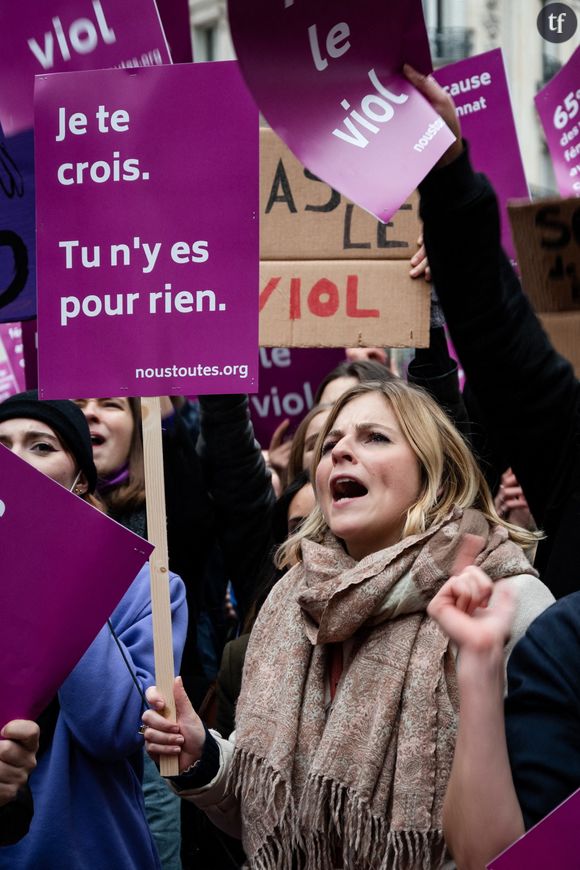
[[346, 723]]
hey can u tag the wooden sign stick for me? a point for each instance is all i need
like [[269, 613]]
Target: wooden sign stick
[[159, 564]]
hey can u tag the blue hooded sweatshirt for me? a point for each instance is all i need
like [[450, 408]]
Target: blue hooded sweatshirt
[[88, 801]]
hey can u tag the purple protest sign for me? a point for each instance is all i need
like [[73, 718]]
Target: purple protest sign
[[46, 36], [38, 36], [11, 360], [67, 567], [148, 248], [330, 84], [558, 107], [289, 378], [480, 91], [553, 842], [175, 19]]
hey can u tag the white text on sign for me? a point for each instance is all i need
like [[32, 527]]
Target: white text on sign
[[375, 108], [99, 171], [82, 38]]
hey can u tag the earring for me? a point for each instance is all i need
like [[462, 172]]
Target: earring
[[78, 490]]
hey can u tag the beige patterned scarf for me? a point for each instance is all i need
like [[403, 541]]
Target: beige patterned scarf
[[360, 785]]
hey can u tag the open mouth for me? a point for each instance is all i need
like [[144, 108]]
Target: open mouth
[[97, 440], [345, 487]]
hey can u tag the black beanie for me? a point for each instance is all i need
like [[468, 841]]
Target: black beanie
[[67, 420]]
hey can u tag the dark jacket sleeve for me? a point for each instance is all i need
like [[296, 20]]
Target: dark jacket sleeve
[[241, 489], [15, 818], [527, 393], [229, 683], [435, 371], [543, 710], [190, 526]]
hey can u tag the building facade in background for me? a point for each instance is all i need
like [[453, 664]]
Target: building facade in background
[[457, 29]]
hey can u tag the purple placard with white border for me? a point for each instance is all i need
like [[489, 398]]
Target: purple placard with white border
[[552, 843], [39, 36], [65, 569], [480, 90], [46, 36], [289, 378], [12, 378], [558, 106], [328, 80], [148, 285]]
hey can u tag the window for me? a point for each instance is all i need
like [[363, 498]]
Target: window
[[205, 42]]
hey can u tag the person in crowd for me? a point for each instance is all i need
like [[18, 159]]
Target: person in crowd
[[301, 502], [277, 472], [348, 374], [512, 765], [88, 802], [336, 760], [115, 427], [431, 368], [278, 454], [510, 502], [307, 432], [293, 455], [292, 508], [376, 354], [500, 787], [242, 498], [528, 395], [357, 369], [240, 488], [18, 748]]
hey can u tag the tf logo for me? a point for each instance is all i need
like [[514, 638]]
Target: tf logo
[[557, 22]]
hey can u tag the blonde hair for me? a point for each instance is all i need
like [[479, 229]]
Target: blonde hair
[[450, 474]]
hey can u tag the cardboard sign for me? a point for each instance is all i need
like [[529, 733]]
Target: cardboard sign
[[289, 379], [480, 92], [563, 328], [64, 570], [303, 218], [331, 274], [342, 303], [11, 360], [553, 842], [148, 245], [47, 36], [558, 106], [329, 82], [17, 234], [547, 237]]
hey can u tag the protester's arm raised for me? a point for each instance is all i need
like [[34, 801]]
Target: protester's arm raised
[[481, 815], [443, 105], [241, 489], [527, 393]]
